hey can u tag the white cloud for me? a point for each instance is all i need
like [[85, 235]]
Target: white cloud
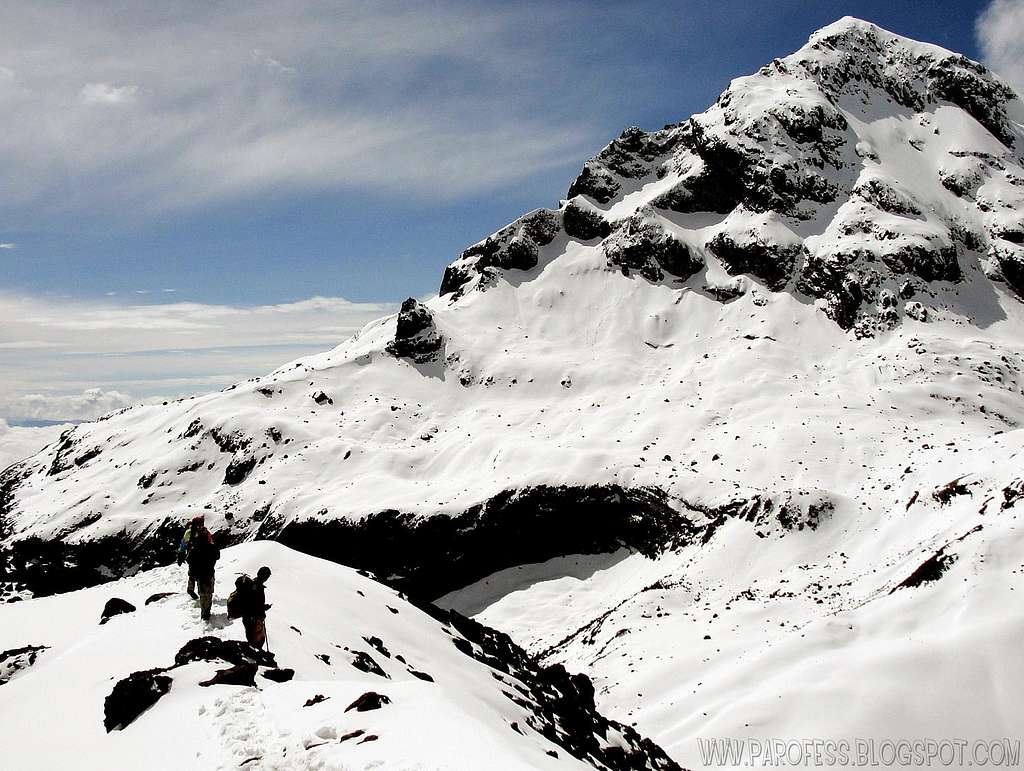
[[87, 405], [8, 245], [19, 442], [234, 99], [66, 359], [105, 93], [1000, 33]]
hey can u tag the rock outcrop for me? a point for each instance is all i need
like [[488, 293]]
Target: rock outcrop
[[416, 337]]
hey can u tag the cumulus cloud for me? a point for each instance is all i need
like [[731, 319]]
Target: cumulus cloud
[[217, 101], [19, 442], [1000, 33], [69, 359], [87, 405], [8, 245]]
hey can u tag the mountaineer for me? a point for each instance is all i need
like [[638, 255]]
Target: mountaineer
[[203, 554], [249, 601], [184, 548]]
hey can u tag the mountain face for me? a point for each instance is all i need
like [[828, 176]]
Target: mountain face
[[744, 409], [865, 170]]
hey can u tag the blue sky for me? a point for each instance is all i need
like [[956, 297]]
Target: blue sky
[[253, 155]]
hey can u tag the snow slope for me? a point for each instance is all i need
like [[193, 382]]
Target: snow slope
[[323, 618], [816, 634]]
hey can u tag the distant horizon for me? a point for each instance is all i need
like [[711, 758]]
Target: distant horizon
[[189, 214]]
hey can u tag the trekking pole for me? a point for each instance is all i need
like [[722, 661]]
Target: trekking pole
[[266, 636]]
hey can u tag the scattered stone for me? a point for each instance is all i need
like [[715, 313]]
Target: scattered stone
[[240, 674], [115, 606], [279, 675], [368, 701], [132, 696], [365, 663]]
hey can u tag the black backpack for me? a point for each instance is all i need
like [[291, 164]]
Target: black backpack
[[238, 599]]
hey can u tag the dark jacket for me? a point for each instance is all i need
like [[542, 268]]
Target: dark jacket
[[202, 555], [255, 601]]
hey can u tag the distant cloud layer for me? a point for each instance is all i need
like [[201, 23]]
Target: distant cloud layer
[[1000, 33], [154, 106], [76, 360]]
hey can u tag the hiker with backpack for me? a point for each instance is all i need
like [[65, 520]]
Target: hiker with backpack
[[249, 602], [190, 537], [203, 554]]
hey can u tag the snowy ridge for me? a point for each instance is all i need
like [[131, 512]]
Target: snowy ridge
[[362, 679]]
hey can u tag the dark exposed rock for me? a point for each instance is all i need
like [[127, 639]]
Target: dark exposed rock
[[827, 276], [929, 570], [794, 511], [927, 261], [584, 224], [515, 247], [146, 481], [456, 276], [421, 675], [646, 247], [368, 701], [969, 86], [947, 492], [436, 554], [17, 659], [1011, 267], [886, 198], [132, 696], [771, 262], [365, 663], [595, 182], [158, 596], [240, 674], [630, 156], [232, 442], [378, 645], [279, 675], [416, 337], [211, 648], [115, 606], [314, 700], [1012, 493], [88, 455], [53, 566], [702, 191], [560, 706], [933, 568], [239, 469], [66, 446], [321, 398]]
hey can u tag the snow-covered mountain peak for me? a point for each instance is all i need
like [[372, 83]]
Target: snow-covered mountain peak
[[866, 171]]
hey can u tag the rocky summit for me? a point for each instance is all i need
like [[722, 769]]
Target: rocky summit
[[734, 430]]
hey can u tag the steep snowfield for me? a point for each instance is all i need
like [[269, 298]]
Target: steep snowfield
[[811, 634], [324, 617]]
